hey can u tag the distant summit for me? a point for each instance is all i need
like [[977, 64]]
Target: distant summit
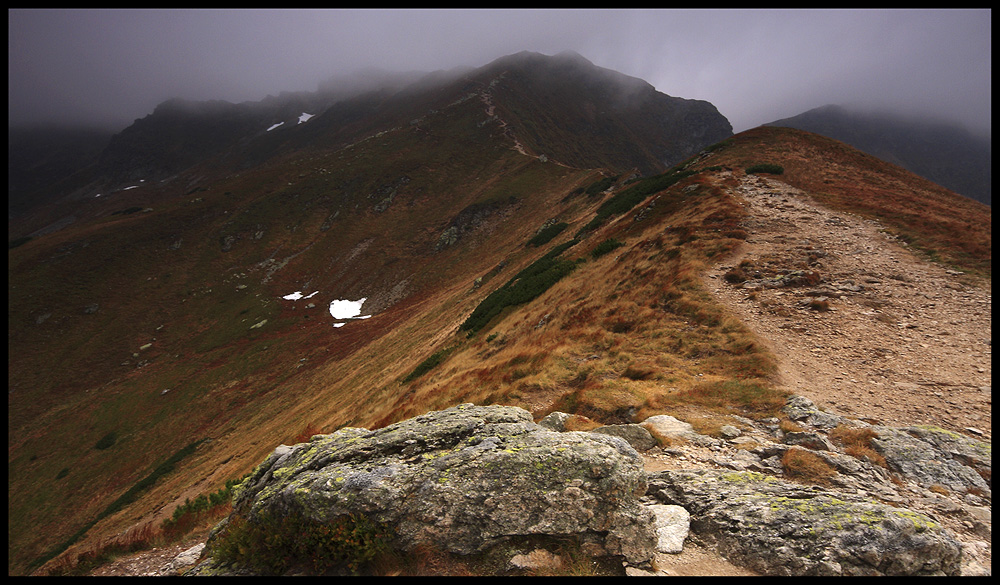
[[944, 153], [562, 107]]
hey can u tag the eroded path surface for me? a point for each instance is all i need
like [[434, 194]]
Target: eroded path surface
[[904, 341]]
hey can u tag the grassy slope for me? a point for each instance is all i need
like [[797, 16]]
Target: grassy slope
[[626, 335], [949, 228], [196, 305]]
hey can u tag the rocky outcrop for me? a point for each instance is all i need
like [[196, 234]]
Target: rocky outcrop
[[469, 478], [936, 457], [777, 527], [462, 480]]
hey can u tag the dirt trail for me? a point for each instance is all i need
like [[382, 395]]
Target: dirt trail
[[904, 341]]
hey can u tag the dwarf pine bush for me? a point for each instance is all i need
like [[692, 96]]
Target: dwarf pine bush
[[768, 168]]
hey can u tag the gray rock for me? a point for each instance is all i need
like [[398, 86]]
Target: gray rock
[[463, 479], [729, 432], [555, 421], [776, 527], [800, 408], [186, 559], [669, 427], [672, 526], [932, 456], [809, 441], [636, 435]]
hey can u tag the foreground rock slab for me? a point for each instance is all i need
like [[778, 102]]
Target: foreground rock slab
[[463, 479], [781, 528]]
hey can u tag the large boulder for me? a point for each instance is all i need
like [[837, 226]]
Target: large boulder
[[461, 480], [775, 527]]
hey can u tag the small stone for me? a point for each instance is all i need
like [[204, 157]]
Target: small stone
[[672, 526]]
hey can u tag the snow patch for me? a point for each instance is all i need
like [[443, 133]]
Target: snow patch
[[298, 295], [273, 126], [344, 309], [305, 117]]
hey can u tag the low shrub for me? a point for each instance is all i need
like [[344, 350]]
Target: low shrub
[[742, 395], [768, 168], [819, 305], [638, 372], [605, 247], [735, 276], [545, 235], [427, 365], [186, 513], [273, 545], [626, 199], [858, 443], [526, 286], [600, 186], [106, 441]]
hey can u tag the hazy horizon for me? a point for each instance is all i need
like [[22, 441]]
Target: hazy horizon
[[107, 68]]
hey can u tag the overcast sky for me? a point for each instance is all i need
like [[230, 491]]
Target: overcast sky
[[111, 67]]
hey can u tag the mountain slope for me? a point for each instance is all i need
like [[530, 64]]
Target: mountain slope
[[40, 157], [946, 154], [164, 306], [163, 303]]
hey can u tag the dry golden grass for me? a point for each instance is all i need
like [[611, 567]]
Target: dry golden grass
[[857, 443], [804, 465]]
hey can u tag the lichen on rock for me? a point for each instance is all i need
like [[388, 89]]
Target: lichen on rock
[[777, 527], [463, 480]]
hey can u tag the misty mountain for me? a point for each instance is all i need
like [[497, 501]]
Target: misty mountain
[[588, 116], [530, 231], [38, 158], [944, 153], [563, 107]]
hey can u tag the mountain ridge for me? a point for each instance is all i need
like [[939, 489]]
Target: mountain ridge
[[165, 303], [940, 151]]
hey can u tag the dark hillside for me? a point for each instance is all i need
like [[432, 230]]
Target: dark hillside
[[587, 116], [944, 153]]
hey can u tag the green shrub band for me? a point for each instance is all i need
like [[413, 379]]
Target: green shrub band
[[547, 233], [526, 285], [625, 200], [765, 168], [605, 247], [427, 365]]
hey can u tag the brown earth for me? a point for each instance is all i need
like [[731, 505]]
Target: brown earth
[[902, 341]]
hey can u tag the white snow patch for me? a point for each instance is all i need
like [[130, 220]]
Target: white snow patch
[[274, 126], [343, 309], [339, 324], [305, 117], [298, 295]]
